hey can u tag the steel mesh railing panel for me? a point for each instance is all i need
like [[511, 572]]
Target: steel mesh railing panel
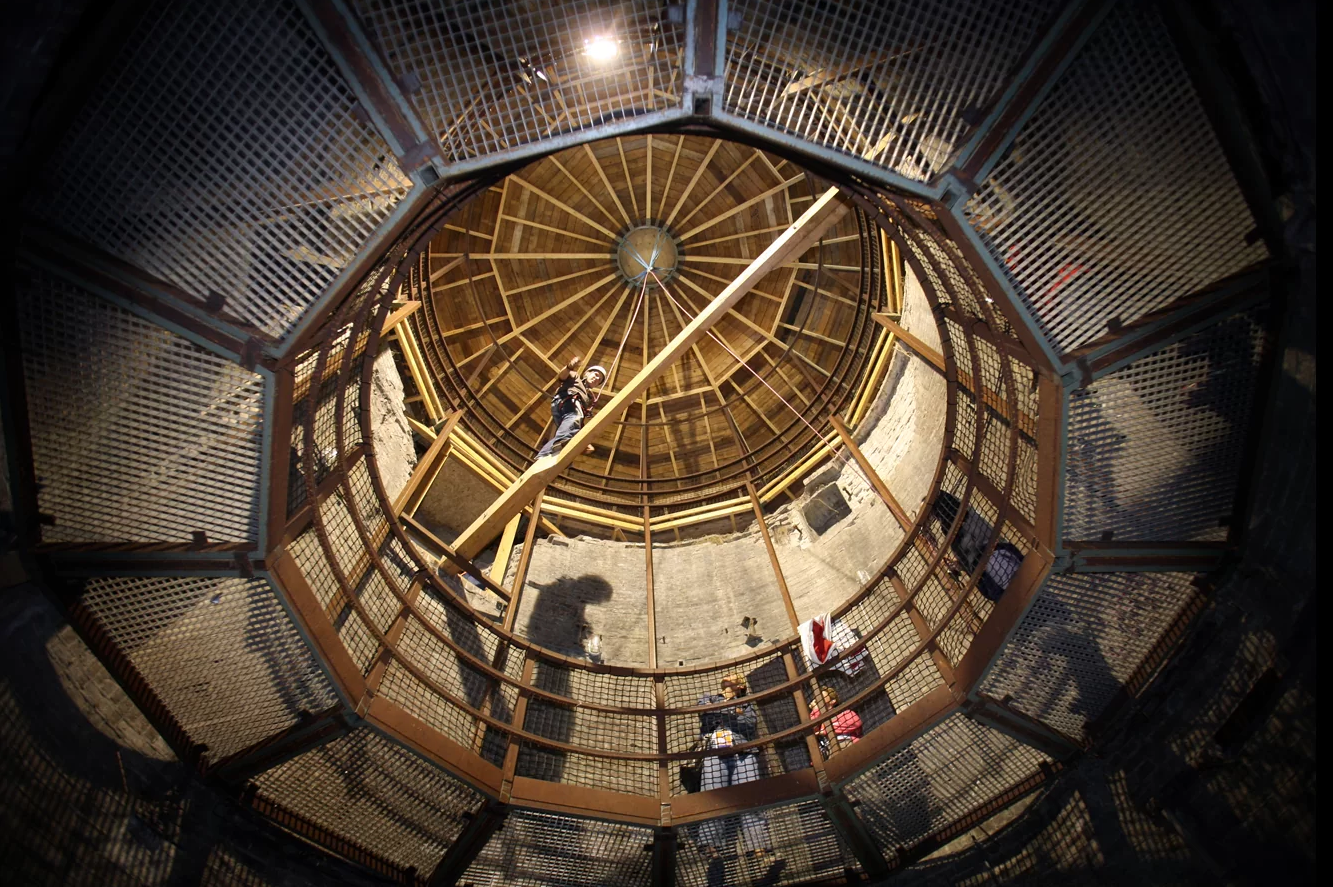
[[489, 77], [138, 435], [1155, 448], [804, 846], [310, 557], [221, 654], [899, 81], [1116, 197], [943, 774], [535, 849], [1081, 640], [237, 171], [377, 795]]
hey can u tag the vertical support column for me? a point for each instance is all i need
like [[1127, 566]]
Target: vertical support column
[[386, 651], [501, 657], [520, 714], [899, 513], [803, 713], [280, 452], [773, 557], [705, 54], [664, 858], [476, 834]]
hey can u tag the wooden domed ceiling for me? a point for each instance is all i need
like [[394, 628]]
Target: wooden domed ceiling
[[605, 251]]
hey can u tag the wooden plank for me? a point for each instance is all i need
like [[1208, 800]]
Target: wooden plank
[[822, 215]]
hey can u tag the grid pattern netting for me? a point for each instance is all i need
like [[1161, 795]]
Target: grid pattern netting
[[138, 435], [802, 840], [943, 774], [861, 75], [240, 171], [1115, 199], [1155, 448], [1083, 637], [490, 77], [377, 794], [545, 850], [221, 654]]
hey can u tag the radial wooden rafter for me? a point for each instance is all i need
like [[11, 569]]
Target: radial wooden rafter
[[532, 276]]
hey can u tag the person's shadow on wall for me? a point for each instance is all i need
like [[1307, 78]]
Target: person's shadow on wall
[[556, 619]]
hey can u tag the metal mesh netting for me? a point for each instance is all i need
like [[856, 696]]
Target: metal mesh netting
[[1083, 637], [376, 794], [237, 171], [545, 850], [954, 767], [905, 79], [803, 843], [1115, 198], [220, 653], [138, 434], [489, 77], [1155, 448]]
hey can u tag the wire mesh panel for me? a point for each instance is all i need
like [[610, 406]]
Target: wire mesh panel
[[1115, 199], [376, 794], [1155, 448], [138, 434], [902, 82], [800, 842], [488, 77], [222, 153], [951, 769], [545, 850], [221, 654], [1082, 639]]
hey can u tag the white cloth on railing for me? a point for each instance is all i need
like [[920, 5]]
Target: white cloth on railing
[[824, 638]]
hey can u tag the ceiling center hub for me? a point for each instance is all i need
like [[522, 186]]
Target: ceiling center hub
[[646, 251]]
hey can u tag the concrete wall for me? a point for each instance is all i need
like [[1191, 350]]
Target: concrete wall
[[705, 588]]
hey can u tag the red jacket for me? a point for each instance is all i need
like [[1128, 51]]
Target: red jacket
[[846, 725]]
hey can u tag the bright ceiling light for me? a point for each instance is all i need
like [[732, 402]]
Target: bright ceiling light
[[600, 48]]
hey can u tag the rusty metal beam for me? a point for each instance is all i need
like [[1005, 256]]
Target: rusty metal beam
[[309, 732], [1047, 60], [370, 79], [209, 325], [662, 872], [773, 557], [481, 826], [1172, 557], [999, 715], [1155, 331]]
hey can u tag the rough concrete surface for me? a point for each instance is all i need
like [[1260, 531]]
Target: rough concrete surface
[[395, 453]]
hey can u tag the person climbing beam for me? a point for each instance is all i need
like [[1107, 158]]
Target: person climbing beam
[[571, 403]]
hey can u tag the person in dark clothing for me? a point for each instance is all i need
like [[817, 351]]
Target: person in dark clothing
[[970, 543], [571, 404], [724, 728]]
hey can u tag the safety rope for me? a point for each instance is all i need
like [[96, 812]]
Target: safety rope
[[837, 453]]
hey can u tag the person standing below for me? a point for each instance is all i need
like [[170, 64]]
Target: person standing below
[[846, 724], [571, 404], [724, 728]]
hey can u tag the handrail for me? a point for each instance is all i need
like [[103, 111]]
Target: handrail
[[365, 319]]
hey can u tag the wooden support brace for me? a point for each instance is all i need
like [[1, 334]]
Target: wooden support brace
[[822, 215]]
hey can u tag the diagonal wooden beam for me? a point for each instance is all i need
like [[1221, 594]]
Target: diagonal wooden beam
[[821, 216]]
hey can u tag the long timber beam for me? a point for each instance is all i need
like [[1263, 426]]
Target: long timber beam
[[802, 234]]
